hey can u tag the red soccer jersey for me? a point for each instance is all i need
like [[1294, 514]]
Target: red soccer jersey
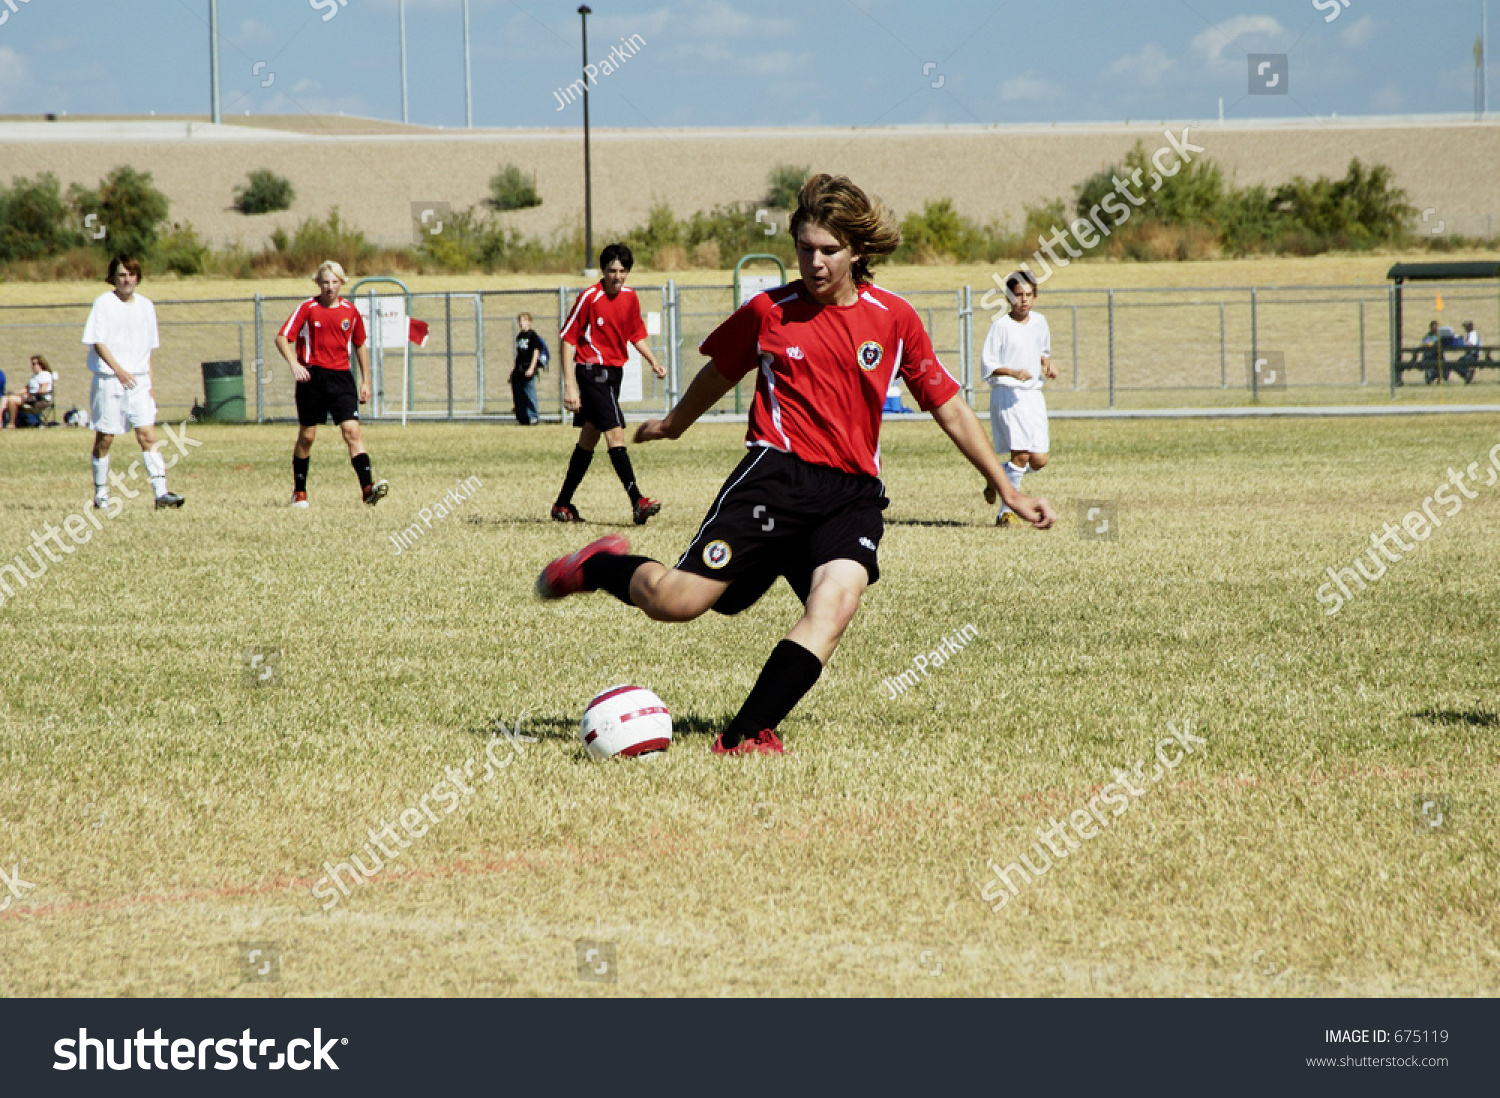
[[825, 369], [323, 335], [600, 327]]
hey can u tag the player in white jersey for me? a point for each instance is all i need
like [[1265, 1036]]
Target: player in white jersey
[[121, 334], [1017, 355]]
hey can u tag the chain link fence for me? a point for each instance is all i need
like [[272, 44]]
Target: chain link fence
[[1181, 347]]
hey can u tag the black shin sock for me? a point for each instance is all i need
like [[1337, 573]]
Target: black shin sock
[[578, 464], [620, 458], [787, 676], [299, 473], [361, 463], [611, 572]]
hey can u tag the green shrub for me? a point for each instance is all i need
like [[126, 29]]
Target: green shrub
[[264, 192], [313, 241], [510, 190], [35, 222], [181, 251], [782, 185], [129, 207]]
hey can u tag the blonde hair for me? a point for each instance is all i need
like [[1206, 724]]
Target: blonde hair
[[864, 224], [333, 267]]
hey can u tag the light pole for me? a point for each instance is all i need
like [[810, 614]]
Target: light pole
[[468, 85], [401, 15], [213, 58], [588, 177]]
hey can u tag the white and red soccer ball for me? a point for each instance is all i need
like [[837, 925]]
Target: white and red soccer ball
[[626, 720]]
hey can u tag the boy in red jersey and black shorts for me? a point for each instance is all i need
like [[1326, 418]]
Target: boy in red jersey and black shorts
[[323, 327], [806, 502], [605, 319]]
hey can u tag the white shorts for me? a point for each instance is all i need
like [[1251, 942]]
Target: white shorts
[[1018, 420], [115, 409]]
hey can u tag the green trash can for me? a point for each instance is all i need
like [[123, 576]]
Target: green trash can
[[223, 392]]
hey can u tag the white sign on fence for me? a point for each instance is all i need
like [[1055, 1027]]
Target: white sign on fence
[[388, 329], [752, 284], [630, 380]]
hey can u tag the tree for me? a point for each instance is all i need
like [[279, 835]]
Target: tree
[[34, 220], [782, 185], [127, 206]]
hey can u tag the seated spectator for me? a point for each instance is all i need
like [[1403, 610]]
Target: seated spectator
[[1432, 353], [1468, 364], [37, 398]]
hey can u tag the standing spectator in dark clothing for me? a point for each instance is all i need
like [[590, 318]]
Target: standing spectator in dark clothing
[[529, 347]]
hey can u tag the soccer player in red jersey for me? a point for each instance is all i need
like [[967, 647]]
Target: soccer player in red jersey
[[605, 318], [805, 502], [323, 328]]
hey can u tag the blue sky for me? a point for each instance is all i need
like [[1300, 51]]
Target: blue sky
[[711, 63]]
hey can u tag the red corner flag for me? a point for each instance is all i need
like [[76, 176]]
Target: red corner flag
[[416, 331]]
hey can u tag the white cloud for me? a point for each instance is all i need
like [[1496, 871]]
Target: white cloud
[[1388, 100], [251, 33], [14, 76], [1028, 87], [1244, 31], [1360, 32], [711, 22], [1144, 69]]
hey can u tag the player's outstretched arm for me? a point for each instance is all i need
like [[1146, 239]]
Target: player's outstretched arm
[[960, 424], [705, 391]]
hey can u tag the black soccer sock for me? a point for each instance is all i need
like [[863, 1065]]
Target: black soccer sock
[[299, 472], [578, 464], [612, 572], [787, 676], [361, 463], [620, 458]]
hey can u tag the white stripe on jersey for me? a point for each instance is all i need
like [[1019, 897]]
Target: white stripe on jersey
[[765, 369]]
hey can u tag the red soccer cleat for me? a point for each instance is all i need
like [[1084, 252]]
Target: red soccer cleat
[[763, 742], [644, 508], [564, 576], [565, 512]]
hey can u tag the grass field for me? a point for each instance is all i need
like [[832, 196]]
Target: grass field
[[162, 810]]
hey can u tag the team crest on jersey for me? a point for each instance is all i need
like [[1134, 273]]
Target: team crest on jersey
[[795, 353], [344, 324], [716, 554], [870, 354]]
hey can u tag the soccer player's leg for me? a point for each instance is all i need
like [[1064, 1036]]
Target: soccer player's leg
[[829, 568], [143, 420], [587, 420], [107, 413]]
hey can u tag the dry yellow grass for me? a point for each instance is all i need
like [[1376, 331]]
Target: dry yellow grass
[[166, 811]]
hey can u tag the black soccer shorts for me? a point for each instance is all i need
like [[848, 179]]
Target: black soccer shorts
[[327, 393], [598, 396], [778, 515]]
